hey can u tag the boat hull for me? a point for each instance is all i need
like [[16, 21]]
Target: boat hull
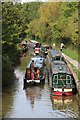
[[33, 81], [26, 82], [60, 92]]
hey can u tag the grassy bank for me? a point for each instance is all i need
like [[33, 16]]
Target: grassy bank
[[75, 70], [73, 53]]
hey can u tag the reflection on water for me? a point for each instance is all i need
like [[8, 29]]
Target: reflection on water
[[37, 102], [8, 98], [66, 104], [33, 93]]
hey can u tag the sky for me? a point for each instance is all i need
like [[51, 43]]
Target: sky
[[23, 1], [33, 0], [50, 0]]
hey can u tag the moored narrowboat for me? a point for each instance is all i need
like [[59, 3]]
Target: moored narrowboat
[[44, 49], [35, 71], [33, 44], [60, 78], [55, 55]]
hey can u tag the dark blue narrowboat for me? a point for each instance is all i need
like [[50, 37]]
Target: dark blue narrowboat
[[35, 71]]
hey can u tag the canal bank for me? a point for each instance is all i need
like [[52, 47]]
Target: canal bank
[[77, 65]]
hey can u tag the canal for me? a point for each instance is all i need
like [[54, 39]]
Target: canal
[[37, 101]]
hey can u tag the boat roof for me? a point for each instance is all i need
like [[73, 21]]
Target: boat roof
[[33, 41], [38, 60], [45, 45], [60, 67], [55, 52]]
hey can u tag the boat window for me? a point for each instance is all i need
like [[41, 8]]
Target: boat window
[[62, 77], [53, 58], [68, 79], [59, 63], [55, 79], [62, 58], [57, 57]]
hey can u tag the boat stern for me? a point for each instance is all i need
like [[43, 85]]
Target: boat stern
[[61, 91]]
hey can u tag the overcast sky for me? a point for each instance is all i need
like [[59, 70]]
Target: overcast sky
[[41, 0], [33, 0], [50, 0]]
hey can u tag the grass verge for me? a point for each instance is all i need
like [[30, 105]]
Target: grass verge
[[75, 70], [73, 53]]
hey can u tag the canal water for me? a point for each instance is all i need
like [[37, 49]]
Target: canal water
[[37, 102]]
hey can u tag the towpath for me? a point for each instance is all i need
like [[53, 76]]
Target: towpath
[[77, 65], [74, 62]]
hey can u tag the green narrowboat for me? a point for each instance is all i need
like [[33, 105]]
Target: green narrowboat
[[55, 55], [60, 78]]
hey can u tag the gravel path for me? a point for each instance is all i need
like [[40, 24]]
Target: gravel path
[[74, 62], [77, 65]]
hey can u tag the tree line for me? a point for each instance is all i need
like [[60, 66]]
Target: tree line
[[43, 21]]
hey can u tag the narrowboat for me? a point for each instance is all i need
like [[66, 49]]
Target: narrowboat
[[60, 78], [36, 50], [44, 49], [55, 55], [33, 44], [35, 71]]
